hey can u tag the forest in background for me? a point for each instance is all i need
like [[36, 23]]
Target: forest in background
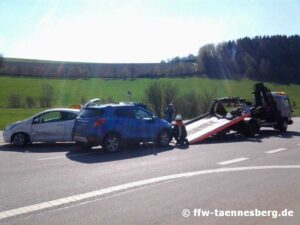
[[263, 58], [267, 58]]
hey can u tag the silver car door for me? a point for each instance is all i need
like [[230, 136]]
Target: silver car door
[[69, 119], [48, 127]]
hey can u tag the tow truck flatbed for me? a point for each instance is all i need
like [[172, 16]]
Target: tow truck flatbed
[[206, 127]]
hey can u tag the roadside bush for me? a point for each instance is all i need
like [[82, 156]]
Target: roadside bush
[[30, 102], [46, 98], [170, 93], [206, 99], [83, 100], [191, 104], [107, 100], [188, 105], [159, 95], [14, 101], [44, 102], [154, 97]]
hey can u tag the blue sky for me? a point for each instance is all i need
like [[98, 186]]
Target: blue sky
[[135, 30]]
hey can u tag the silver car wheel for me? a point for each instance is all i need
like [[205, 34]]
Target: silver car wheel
[[19, 140]]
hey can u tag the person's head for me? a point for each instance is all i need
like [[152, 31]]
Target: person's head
[[178, 117]]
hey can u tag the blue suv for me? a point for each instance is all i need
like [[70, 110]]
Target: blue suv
[[115, 124]]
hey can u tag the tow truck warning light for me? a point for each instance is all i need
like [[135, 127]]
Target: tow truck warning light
[[279, 93]]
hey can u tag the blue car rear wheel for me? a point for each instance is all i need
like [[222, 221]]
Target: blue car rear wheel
[[112, 143]]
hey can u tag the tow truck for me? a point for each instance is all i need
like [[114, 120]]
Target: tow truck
[[269, 109]]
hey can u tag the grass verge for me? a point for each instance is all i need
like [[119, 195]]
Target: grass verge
[[67, 92]]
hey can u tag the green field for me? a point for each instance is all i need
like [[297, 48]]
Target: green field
[[68, 91], [8, 115]]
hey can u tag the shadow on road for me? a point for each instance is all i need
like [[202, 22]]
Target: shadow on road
[[274, 133], [264, 134], [95, 155], [40, 148], [101, 156]]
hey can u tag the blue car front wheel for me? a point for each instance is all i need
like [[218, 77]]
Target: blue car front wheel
[[163, 139]]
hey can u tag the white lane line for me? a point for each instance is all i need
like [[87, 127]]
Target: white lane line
[[63, 156], [298, 144], [55, 157], [224, 163], [276, 150], [125, 187]]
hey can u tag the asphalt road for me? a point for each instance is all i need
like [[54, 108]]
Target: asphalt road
[[230, 180]]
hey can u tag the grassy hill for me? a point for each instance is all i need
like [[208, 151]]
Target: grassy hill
[[67, 92]]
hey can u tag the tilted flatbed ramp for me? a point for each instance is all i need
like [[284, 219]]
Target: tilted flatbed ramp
[[204, 128]]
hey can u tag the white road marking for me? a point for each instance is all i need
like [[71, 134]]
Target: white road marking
[[298, 144], [63, 156], [125, 187], [224, 163], [276, 150], [55, 157]]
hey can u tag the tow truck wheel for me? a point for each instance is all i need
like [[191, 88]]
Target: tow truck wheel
[[250, 128], [282, 126]]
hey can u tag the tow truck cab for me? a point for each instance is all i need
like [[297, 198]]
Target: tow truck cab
[[283, 105]]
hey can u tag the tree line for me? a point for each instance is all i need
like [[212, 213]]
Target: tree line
[[265, 58], [40, 68]]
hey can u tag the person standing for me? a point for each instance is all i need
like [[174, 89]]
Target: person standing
[[169, 113]]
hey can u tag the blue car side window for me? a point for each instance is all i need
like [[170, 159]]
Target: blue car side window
[[142, 114], [124, 113]]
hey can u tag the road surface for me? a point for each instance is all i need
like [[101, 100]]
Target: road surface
[[230, 180]]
